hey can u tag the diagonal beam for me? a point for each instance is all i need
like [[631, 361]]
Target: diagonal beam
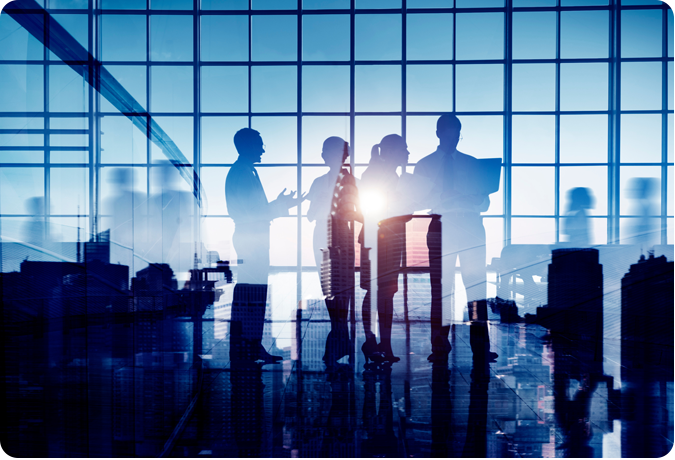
[[29, 14]]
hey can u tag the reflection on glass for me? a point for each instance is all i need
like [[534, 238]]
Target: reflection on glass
[[532, 231], [180, 130], [325, 37], [315, 80], [474, 139], [577, 226], [428, 88], [374, 34], [368, 131], [592, 177], [421, 136], [642, 201], [69, 191], [77, 26], [377, 88], [317, 129], [224, 89], [122, 142], [273, 38], [17, 186], [640, 183], [132, 78], [213, 183], [429, 36]]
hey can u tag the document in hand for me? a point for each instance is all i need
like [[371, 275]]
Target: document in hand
[[483, 175]]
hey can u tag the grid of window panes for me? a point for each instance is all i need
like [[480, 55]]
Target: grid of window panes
[[570, 93]]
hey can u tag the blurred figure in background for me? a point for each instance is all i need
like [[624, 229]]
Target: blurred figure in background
[[577, 225], [127, 210], [643, 231], [170, 223], [35, 230]]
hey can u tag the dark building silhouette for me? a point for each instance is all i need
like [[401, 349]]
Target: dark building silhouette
[[647, 358]]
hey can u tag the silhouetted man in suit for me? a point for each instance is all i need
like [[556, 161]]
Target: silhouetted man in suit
[[463, 234], [248, 206]]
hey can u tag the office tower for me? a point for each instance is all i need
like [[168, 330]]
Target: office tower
[[647, 358]]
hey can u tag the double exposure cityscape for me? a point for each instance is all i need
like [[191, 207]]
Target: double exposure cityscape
[[336, 228]]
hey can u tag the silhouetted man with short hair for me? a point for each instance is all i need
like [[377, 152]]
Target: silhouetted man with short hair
[[463, 234], [248, 206]]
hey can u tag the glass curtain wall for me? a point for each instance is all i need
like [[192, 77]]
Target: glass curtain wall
[[569, 93]]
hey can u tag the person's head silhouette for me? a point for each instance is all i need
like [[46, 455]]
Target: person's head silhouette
[[392, 150], [448, 128], [335, 151], [579, 198], [249, 145]]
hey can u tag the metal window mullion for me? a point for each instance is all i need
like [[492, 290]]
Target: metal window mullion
[[454, 60], [196, 129], [94, 136], [250, 53], [614, 138], [45, 102], [299, 156], [558, 38], [352, 83], [664, 127], [148, 92], [507, 122]]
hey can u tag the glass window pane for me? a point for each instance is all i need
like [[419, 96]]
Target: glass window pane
[[217, 233], [325, 37], [68, 92], [670, 86], [482, 136], [494, 240], [641, 33], [480, 87], [670, 196], [284, 248], [17, 186], [641, 138], [69, 190], [17, 43], [274, 4], [374, 36], [641, 2], [429, 88], [122, 142], [421, 136], [280, 136], [533, 190], [224, 89], [315, 94], [532, 231], [533, 139], [377, 4], [274, 38], [179, 130], [378, 88], [224, 4], [480, 36], [315, 130], [76, 25], [22, 140], [480, 3], [68, 140], [132, 78], [640, 190], [224, 38], [591, 177], [641, 85], [213, 183], [171, 89], [325, 4], [670, 138], [63, 156], [583, 2], [123, 37], [534, 35], [583, 139], [22, 122], [669, 13], [22, 88], [523, 3], [276, 179], [429, 36], [583, 86], [217, 141], [170, 38], [170, 4], [274, 89], [123, 4], [369, 131], [533, 87], [497, 198], [68, 4], [584, 34], [21, 156], [643, 232], [429, 4]]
